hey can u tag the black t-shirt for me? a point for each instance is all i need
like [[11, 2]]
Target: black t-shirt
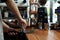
[[3, 0]]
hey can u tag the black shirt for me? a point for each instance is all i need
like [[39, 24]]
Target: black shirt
[[3, 0]]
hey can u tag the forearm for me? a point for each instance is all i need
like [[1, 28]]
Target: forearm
[[5, 26], [13, 7]]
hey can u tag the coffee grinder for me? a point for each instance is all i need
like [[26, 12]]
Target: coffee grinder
[[42, 17]]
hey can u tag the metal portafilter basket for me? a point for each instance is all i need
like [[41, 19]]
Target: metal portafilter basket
[[23, 28]]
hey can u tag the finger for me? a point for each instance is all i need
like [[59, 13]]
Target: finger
[[20, 24], [16, 30], [10, 33]]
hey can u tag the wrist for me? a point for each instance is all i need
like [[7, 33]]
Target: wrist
[[10, 29], [20, 18]]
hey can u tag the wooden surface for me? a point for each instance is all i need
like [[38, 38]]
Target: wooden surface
[[44, 35]]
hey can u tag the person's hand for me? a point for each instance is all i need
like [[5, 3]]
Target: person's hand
[[11, 30], [22, 22], [14, 30]]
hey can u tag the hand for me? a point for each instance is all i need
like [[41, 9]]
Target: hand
[[11, 30], [22, 22], [14, 30]]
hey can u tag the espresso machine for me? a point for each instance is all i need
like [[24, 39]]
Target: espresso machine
[[42, 17]]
